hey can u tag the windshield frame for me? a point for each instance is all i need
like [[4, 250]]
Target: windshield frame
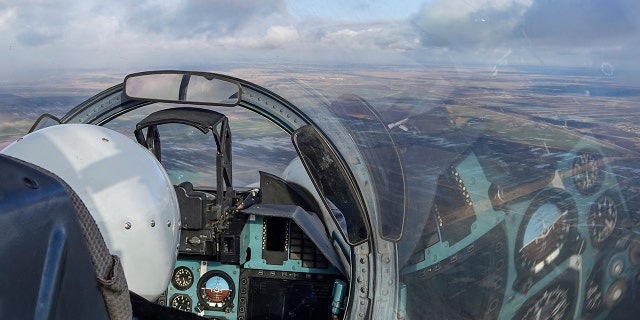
[[112, 103]]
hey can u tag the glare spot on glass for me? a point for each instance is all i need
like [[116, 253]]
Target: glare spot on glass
[[607, 69]]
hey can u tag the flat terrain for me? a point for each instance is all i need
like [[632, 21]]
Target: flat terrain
[[582, 99]]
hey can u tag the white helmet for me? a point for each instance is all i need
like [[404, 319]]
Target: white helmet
[[125, 189]]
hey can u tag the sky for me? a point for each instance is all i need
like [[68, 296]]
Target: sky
[[127, 36]]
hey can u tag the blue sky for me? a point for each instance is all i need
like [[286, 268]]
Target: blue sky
[[359, 10], [127, 36]]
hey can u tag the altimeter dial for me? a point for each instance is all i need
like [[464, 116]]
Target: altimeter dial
[[181, 302], [182, 278], [546, 236], [553, 303], [602, 220], [587, 172]]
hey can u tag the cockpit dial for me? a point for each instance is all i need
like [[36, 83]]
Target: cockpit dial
[[182, 278], [553, 303], [216, 291], [587, 172], [545, 236], [602, 219], [593, 296], [181, 302]]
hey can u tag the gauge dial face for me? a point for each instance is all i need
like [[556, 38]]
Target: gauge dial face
[[587, 172], [181, 302], [215, 290], [182, 278], [553, 303], [615, 293], [602, 219], [593, 298], [545, 235]]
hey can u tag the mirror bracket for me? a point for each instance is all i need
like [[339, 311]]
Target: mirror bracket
[[43, 121]]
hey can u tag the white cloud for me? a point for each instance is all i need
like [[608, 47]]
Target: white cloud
[[7, 17], [340, 34], [557, 32], [582, 23], [460, 23], [381, 36], [140, 34], [280, 35], [273, 38]]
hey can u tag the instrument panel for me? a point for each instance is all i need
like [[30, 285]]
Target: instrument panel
[[556, 232], [270, 294], [203, 287], [283, 275]]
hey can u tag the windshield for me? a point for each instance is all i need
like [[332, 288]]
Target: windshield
[[189, 155], [510, 178]]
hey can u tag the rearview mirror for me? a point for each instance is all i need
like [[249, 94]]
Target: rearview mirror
[[182, 87]]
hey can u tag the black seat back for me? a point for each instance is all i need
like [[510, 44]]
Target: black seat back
[[54, 263]]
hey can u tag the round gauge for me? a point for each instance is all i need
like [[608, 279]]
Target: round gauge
[[615, 293], [587, 172], [593, 298], [215, 290], [182, 278], [181, 302], [634, 252], [602, 219], [553, 303], [545, 232], [546, 227]]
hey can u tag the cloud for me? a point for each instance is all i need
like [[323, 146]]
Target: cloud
[[7, 17], [581, 23], [562, 23], [197, 18], [37, 23], [36, 37], [30, 23], [462, 24], [146, 33], [279, 35], [378, 36], [156, 33], [559, 32], [274, 37]]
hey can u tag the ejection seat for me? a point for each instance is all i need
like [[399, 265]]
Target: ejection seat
[[55, 264]]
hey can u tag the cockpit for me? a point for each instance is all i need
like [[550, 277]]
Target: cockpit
[[253, 243], [344, 209], [258, 251]]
